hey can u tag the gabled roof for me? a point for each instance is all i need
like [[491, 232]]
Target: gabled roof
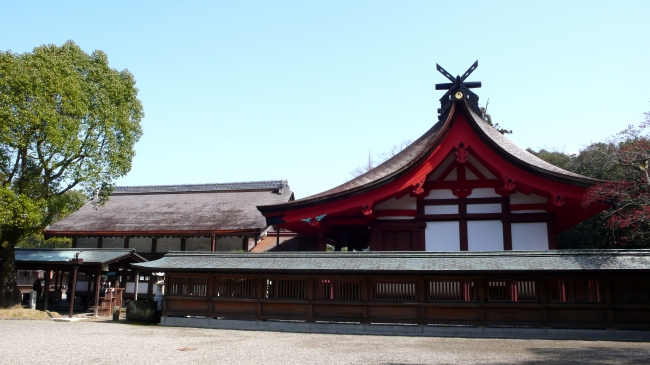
[[419, 150], [64, 256], [406, 263], [176, 210]]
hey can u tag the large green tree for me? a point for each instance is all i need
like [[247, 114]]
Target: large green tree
[[67, 121]]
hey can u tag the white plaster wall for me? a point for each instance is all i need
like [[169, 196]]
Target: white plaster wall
[[87, 242], [469, 175], [442, 236], [165, 244], [441, 209], [453, 175], [484, 193], [485, 236], [529, 236], [229, 243], [443, 166], [483, 208], [251, 242], [405, 202], [142, 288], [113, 242], [528, 211], [141, 244], [198, 244], [520, 198], [481, 168], [441, 194]]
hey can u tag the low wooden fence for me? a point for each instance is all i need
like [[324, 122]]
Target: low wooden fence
[[558, 301]]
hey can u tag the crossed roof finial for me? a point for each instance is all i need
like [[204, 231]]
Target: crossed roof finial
[[457, 89]]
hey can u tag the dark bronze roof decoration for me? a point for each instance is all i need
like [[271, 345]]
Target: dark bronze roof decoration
[[457, 90]]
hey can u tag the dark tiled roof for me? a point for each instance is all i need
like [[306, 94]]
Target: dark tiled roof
[[158, 209], [64, 255], [236, 186], [411, 262]]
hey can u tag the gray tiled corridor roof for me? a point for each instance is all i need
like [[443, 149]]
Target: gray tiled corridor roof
[[411, 262]]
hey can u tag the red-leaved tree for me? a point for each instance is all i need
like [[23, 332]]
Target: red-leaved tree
[[629, 197]]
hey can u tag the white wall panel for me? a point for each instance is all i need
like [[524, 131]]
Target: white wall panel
[[442, 236], [441, 209], [485, 236], [198, 244], [405, 202], [481, 168], [529, 236], [87, 242], [229, 243], [469, 175], [528, 211], [484, 193], [441, 194], [165, 244], [520, 198], [443, 166], [113, 242], [483, 208], [453, 175], [141, 244]]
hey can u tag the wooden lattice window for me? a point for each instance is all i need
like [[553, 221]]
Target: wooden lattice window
[[575, 291], [285, 289], [235, 288], [394, 291], [631, 292], [452, 291], [338, 289], [188, 286], [512, 291]]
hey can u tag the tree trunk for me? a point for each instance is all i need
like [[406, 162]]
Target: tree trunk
[[9, 293]]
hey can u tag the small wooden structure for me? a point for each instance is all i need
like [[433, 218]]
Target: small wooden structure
[[563, 289], [70, 263]]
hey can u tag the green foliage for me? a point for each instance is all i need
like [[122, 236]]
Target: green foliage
[[19, 211], [488, 119], [68, 125]]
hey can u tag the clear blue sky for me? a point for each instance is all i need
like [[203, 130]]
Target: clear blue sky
[[245, 91]]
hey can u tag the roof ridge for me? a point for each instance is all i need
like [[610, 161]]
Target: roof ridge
[[243, 185]]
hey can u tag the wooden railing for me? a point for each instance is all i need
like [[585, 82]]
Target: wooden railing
[[538, 301]]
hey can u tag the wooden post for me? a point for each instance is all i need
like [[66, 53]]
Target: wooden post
[[277, 238], [310, 298], [213, 243], [608, 300], [47, 289], [259, 294], [364, 298], [322, 244], [183, 243], [126, 242], [154, 244], [97, 287], [74, 289], [135, 286]]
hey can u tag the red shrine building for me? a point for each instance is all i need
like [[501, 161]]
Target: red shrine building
[[461, 186]]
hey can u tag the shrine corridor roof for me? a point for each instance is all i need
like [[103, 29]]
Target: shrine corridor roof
[[407, 263]]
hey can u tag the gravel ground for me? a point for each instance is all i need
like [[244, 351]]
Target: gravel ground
[[105, 342]]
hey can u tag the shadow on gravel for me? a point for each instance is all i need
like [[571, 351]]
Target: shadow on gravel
[[587, 355]]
